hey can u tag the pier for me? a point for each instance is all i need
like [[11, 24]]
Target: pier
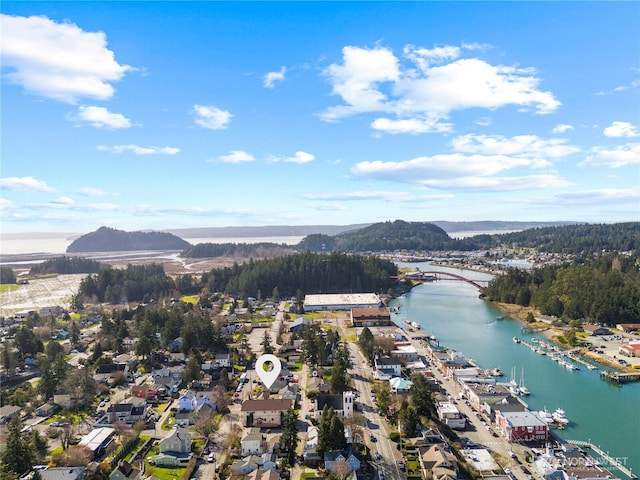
[[608, 459], [620, 377]]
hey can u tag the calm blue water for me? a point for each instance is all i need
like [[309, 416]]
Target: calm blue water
[[603, 413]]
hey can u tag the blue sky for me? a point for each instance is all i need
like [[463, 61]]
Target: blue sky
[[170, 115]]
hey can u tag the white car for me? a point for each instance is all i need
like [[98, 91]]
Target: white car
[[211, 458]]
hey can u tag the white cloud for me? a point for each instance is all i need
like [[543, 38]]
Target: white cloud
[[62, 201], [91, 192], [138, 150], [375, 80], [211, 117], [562, 128], [58, 60], [621, 88], [100, 117], [484, 122], [25, 183], [271, 78], [615, 157], [6, 204], [598, 197], [421, 169], [357, 78], [237, 156], [411, 125], [520, 145], [498, 184], [621, 129], [299, 157]]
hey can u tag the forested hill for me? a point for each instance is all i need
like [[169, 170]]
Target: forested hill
[[107, 239], [400, 235]]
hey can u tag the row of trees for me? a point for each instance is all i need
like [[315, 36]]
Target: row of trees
[[66, 265], [603, 290], [290, 275]]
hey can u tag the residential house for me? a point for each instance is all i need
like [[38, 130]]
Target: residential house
[[264, 412], [129, 342], [62, 473], [298, 323], [7, 412], [261, 474], [342, 404], [98, 440], [175, 449], [125, 471], [45, 410], [244, 466], [107, 372], [187, 402], [318, 384], [388, 365], [289, 391], [223, 360], [349, 455], [439, 464], [370, 317], [64, 400], [400, 385], [253, 443], [145, 391], [175, 345], [128, 413]]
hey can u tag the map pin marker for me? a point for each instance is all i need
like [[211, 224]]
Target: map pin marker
[[268, 368]]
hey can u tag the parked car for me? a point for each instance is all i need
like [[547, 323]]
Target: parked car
[[211, 458], [401, 465], [373, 438]]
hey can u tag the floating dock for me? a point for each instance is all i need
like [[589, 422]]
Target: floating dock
[[605, 456], [620, 377]]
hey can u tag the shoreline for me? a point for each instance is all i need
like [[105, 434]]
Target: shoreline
[[551, 333]]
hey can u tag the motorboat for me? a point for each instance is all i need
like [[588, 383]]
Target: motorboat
[[546, 417], [560, 417], [516, 340]]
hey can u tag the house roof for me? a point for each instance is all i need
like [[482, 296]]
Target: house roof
[[330, 401], [388, 361], [62, 473], [264, 405]]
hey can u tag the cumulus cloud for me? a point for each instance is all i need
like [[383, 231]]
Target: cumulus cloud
[[562, 128], [25, 183], [298, 157], [428, 85], [91, 192], [620, 156], [621, 129], [212, 117], [520, 145], [271, 78], [99, 117], [58, 60], [62, 201], [237, 156], [413, 126], [138, 150]]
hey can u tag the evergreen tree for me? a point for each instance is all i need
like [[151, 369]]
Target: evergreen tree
[[289, 437], [17, 456], [420, 395], [367, 344], [266, 343]]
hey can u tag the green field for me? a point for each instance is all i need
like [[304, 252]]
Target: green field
[[8, 287]]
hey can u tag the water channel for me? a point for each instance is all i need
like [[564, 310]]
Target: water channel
[[606, 414]]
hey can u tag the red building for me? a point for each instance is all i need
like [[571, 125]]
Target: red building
[[521, 426]]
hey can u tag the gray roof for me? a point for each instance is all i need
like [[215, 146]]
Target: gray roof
[[62, 473]]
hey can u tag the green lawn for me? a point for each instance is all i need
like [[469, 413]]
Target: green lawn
[[8, 287]]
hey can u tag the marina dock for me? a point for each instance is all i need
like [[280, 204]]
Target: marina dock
[[620, 377], [605, 456]]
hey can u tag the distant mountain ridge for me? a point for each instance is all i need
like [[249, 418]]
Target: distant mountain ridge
[[303, 230], [107, 239]]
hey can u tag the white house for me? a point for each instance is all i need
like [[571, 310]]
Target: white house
[[223, 360], [187, 402], [388, 365], [178, 441], [253, 443]]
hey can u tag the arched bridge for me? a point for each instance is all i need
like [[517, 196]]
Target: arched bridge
[[434, 275]]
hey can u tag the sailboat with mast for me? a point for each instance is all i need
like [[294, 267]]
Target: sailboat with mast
[[523, 390]]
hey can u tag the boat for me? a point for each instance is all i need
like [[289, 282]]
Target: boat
[[560, 417], [495, 372], [523, 390], [513, 386], [570, 366], [415, 325], [516, 340], [546, 417], [592, 367]]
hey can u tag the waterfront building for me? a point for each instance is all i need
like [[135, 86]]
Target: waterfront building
[[521, 426], [449, 414], [570, 464], [370, 317]]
